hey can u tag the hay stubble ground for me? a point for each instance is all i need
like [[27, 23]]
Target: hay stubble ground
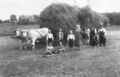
[[89, 62]]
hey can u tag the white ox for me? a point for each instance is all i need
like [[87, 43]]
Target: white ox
[[30, 35], [34, 34], [21, 37]]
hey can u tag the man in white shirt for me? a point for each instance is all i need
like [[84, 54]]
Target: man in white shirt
[[102, 35], [103, 30], [49, 37], [71, 39]]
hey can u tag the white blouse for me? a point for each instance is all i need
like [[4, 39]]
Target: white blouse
[[104, 30], [49, 35], [71, 36]]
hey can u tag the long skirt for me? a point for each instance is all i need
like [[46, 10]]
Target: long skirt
[[78, 41], [70, 42]]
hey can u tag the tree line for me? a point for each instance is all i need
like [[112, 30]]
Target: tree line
[[22, 19], [114, 18]]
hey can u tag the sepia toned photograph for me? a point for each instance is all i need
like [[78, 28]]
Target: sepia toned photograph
[[59, 38]]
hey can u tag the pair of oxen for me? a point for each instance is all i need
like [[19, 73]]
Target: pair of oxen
[[30, 36]]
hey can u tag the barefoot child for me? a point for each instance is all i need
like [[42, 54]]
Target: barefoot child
[[60, 36], [61, 48], [50, 49], [71, 39]]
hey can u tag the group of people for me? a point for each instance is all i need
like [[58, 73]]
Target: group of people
[[93, 37]]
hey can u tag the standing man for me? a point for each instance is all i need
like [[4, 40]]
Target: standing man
[[49, 37], [102, 35], [60, 36], [93, 37], [71, 39]]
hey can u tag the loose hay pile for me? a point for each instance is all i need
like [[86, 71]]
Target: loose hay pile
[[59, 16], [67, 17]]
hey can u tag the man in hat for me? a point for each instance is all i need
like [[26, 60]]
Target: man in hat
[[102, 35], [93, 37]]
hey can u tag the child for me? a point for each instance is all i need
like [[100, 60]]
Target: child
[[71, 39], [61, 48], [50, 49], [49, 38], [60, 36]]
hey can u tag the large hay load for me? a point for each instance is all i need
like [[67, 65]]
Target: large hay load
[[89, 18], [58, 16], [67, 17]]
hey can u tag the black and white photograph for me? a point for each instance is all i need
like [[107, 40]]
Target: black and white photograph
[[59, 38]]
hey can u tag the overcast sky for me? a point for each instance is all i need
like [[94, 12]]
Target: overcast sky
[[30, 7]]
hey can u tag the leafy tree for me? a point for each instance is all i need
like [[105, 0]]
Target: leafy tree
[[13, 19], [22, 20]]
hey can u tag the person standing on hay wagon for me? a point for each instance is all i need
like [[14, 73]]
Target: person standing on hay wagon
[[102, 35], [78, 31], [60, 36], [49, 38], [71, 39]]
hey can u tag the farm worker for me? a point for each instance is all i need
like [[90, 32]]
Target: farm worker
[[102, 35], [103, 30], [71, 39], [50, 49], [18, 33], [24, 39], [60, 36], [49, 37], [93, 37], [78, 31]]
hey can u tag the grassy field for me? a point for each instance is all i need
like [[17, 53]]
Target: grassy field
[[8, 29], [87, 62]]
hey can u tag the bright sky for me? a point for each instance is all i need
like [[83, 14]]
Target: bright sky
[[30, 7]]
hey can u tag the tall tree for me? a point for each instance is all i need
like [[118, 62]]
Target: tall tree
[[13, 19]]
